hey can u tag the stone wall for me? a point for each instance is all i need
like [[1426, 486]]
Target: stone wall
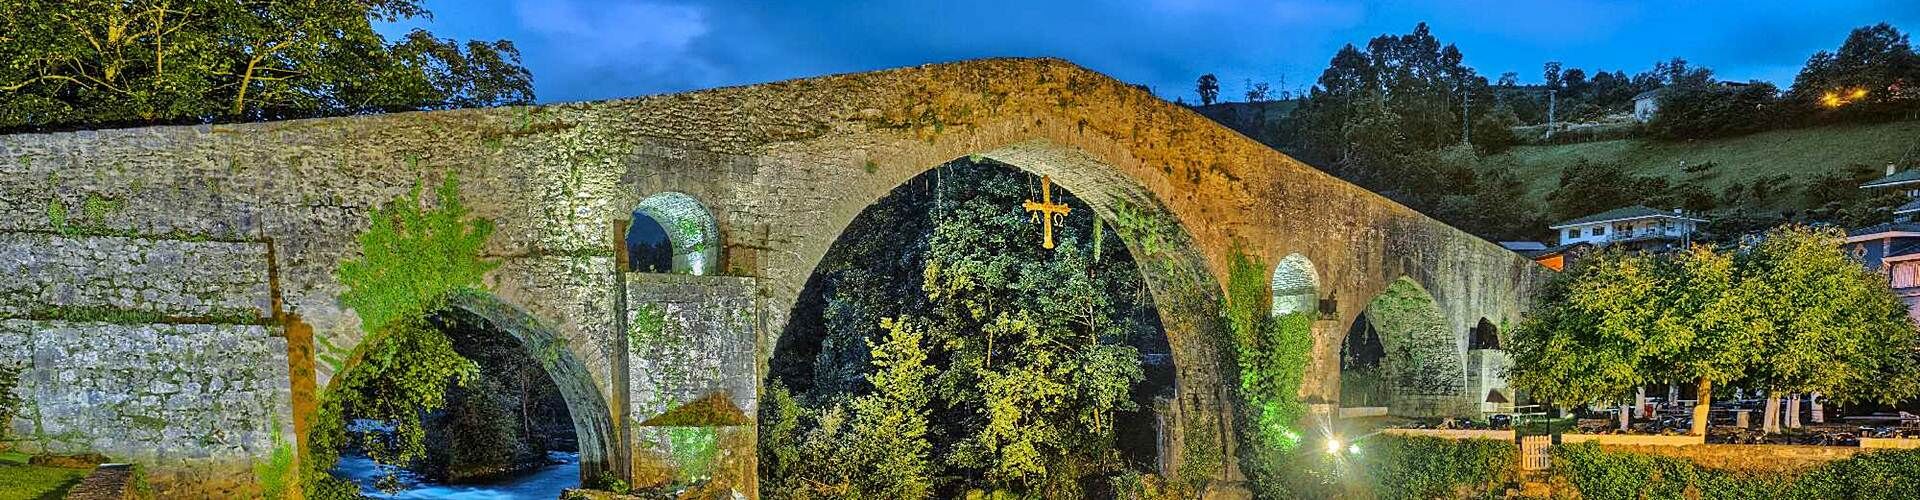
[[148, 350], [693, 342], [783, 168]]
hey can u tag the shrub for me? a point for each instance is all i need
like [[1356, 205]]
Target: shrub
[[1412, 467]]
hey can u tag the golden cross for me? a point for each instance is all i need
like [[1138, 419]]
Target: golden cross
[[1047, 208]]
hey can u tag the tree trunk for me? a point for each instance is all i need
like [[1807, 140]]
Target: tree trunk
[[1770, 423], [1703, 402], [1793, 411], [1626, 415]]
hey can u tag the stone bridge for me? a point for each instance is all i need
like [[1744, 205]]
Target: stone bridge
[[172, 290]]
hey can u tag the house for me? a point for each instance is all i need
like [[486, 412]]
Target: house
[[1635, 228], [1645, 104], [1892, 249], [1908, 183]]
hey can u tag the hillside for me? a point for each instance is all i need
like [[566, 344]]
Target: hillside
[[1797, 154]]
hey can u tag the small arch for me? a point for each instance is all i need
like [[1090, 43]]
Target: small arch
[[1296, 286], [1483, 336], [673, 232], [1401, 350]]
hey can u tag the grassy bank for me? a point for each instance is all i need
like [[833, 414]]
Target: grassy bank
[[1798, 154], [20, 481]]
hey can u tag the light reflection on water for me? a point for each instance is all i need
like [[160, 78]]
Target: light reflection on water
[[546, 482]]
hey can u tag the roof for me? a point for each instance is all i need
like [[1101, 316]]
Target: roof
[[1909, 207], [1907, 176], [1649, 94], [1623, 213], [1549, 252], [1890, 227], [1522, 246]]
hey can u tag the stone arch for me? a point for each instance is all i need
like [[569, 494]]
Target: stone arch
[[1186, 294], [1419, 369], [692, 233], [586, 405], [1296, 286]]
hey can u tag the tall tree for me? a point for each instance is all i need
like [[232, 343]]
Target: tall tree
[[1828, 325], [1550, 73], [93, 63], [1209, 89]]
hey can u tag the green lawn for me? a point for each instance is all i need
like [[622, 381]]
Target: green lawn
[[1799, 153], [19, 481]]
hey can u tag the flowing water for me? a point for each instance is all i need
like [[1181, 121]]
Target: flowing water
[[543, 483]]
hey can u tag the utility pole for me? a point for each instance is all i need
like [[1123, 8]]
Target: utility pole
[[1551, 95], [1466, 129]]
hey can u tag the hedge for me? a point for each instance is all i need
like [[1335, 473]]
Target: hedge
[[1601, 474]]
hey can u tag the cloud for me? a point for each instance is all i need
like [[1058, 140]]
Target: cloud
[[619, 30]]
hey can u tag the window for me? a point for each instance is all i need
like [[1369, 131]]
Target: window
[[1572, 233], [1597, 230]]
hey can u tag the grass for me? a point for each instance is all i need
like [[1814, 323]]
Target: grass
[[19, 481], [1801, 154]]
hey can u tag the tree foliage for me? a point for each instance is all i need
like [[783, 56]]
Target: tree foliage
[[1792, 313], [99, 63], [1032, 357], [412, 261]]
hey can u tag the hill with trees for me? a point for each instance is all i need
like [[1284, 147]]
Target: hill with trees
[[1404, 117]]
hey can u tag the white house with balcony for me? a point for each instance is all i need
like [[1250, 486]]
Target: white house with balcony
[[1638, 227]]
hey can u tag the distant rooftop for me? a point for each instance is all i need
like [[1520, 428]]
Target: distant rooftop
[[1523, 246], [1890, 227], [1903, 177], [1624, 213]]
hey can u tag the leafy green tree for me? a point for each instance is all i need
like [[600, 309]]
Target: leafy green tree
[[1209, 88], [95, 63], [1877, 62], [1034, 354], [1827, 324], [890, 424], [1619, 321]]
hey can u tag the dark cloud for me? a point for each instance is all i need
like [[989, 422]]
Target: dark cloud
[[588, 49]]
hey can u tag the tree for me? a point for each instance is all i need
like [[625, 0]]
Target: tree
[[1870, 75], [1791, 314], [96, 63], [1209, 88], [1258, 91], [1620, 321], [1827, 324], [1550, 73], [890, 424]]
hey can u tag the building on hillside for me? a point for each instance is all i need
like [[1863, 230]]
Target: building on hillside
[[1892, 249], [1645, 104], [1633, 228], [1904, 181]]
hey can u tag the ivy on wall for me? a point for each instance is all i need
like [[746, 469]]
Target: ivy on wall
[[413, 261], [1272, 355]]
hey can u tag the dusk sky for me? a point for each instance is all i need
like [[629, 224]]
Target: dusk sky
[[598, 49]]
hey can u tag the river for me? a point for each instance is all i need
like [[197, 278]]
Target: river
[[543, 483]]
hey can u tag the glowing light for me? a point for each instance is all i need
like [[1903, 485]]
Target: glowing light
[[1842, 97], [1353, 448], [1333, 446]]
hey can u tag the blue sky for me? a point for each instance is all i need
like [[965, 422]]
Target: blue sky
[[598, 49]]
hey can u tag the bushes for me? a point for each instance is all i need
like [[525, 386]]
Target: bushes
[[1599, 473], [1428, 467]]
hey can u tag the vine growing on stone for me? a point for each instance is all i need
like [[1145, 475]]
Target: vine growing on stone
[[1272, 355], [413, 261]]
